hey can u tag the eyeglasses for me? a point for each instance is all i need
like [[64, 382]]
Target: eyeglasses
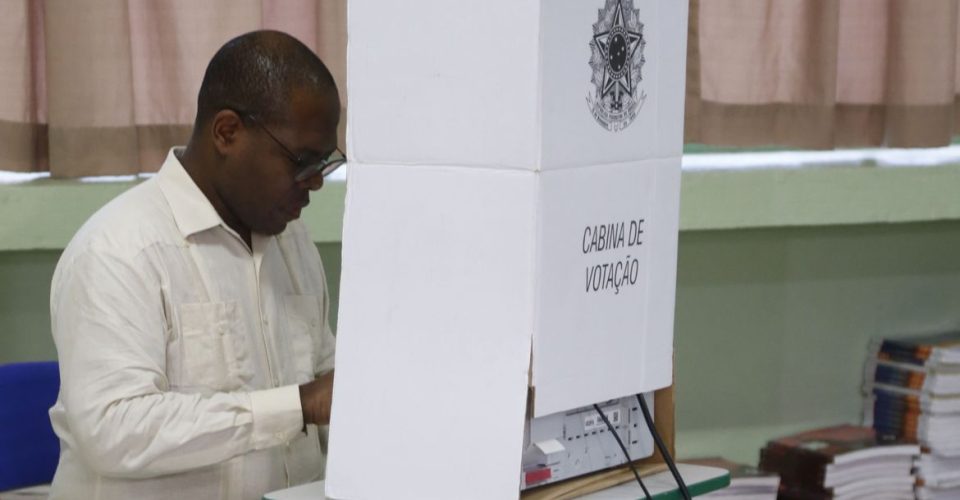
[[305, 169]]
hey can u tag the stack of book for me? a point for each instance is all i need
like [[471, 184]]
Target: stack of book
[[912, 391], [938, 477], [746, 481], [841, 462]]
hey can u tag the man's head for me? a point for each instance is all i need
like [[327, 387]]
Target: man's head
[[266, 102]]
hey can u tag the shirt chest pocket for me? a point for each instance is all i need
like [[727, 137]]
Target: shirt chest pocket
[[305, 325], [213, 348]]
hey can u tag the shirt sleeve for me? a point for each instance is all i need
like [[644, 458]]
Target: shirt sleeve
[[110, 330]]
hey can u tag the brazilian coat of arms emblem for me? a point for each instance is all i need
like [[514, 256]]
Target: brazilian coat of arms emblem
[[616, 61]]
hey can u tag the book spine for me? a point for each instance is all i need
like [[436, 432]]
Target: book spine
[[795, 465], [900, 402], [884, 390], [911, 431], [883, 412], [904, 352], [927, 401], [891, 375]]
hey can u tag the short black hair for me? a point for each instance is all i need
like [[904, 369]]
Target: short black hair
[[256, 73]]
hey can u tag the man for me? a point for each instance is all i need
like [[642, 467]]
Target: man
[[190, 313]]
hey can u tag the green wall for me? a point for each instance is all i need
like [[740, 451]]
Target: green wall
[[25, 305], [771, 324]]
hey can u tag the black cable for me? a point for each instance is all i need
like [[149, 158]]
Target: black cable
[[663, 449], [624, 448]]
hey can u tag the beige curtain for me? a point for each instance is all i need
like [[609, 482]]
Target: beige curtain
[[823, 73], [106, 87]]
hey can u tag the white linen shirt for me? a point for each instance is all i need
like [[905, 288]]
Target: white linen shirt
[[181, 351]]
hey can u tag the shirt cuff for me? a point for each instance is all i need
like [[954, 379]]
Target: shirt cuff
[[277, 416]]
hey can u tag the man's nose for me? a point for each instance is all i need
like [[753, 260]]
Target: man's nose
[[311, 183]]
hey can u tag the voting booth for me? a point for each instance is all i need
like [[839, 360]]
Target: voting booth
[[510, 232]]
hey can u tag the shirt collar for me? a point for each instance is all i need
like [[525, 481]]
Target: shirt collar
[[192, 210]]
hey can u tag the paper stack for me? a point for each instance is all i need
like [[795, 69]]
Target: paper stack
[[746, 481], [938, 477], [842, 462], [912, 391]]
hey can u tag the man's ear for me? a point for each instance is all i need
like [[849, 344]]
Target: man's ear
[[226, 128]]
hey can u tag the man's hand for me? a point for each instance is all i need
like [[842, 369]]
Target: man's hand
[[315, 399]]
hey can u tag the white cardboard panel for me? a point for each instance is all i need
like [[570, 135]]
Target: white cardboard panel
[[435, 326], [504, 84], [661, 298], [440, 82], [603, 334], [673, 77], [571, 134]]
